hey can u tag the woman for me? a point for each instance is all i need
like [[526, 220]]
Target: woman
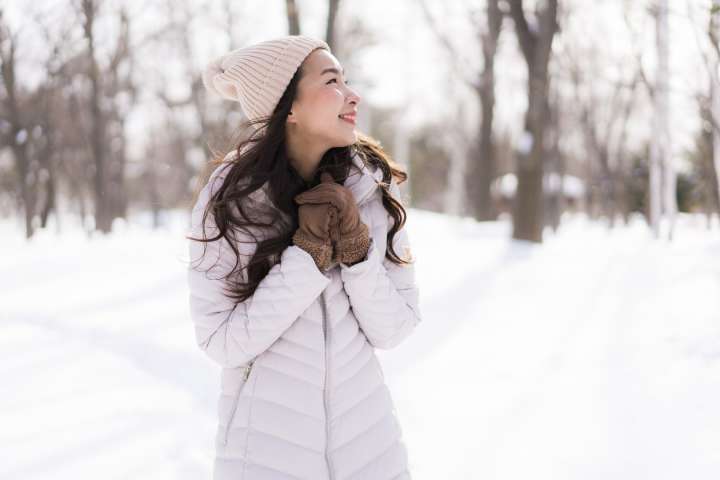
[[300, 268]]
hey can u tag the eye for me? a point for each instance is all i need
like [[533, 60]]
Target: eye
[[347, 82]]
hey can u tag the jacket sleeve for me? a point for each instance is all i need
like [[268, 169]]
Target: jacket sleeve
[[384, 296], [230, 333]]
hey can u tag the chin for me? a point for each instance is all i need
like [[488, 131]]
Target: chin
[[352, 138], [346, 140]]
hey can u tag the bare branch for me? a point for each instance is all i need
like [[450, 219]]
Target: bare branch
[[526, 37], [447, 45], [637, 53]]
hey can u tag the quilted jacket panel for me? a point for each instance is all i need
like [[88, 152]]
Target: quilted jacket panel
[[303, 396]]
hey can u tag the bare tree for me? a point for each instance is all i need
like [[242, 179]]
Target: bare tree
[[555, 199], [480, 170], [483, 169], [330, 27], [19, 132], [119, 82], [714, 71], [706, 158], [661, 174], [703, 160], [106, 131], [662, 188], [536, 45], [50, 140], [293, 16], [602, 108], [180, 138], [98, 137]]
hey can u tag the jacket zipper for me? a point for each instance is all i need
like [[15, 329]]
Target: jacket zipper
[[326, 332], [326, 336], [247, 368]]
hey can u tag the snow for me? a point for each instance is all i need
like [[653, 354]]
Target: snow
[[572, 186], [594, 355]]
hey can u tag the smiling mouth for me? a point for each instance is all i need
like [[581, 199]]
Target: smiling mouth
[[348, 118]]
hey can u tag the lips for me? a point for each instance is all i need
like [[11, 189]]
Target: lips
[[348, 117]]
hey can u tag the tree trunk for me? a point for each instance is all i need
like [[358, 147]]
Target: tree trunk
[[47, 164], [669, 174], [715, 101], [555, 201], [27, 180], [481, 171], [293, 16], [528, 211], [662, 174], [330, 30], [536, 45], [19, 134], [103, 222]]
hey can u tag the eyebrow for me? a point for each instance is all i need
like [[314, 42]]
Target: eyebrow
[[331, 70]]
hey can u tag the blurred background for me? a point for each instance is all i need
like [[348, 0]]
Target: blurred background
[[563, 161]]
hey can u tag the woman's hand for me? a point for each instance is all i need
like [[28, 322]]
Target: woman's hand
[[350, 236], [317, 220]]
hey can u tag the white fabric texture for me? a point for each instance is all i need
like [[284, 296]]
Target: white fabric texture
[[303, 395]]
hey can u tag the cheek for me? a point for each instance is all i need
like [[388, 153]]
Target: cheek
[[324, 106], [327, 98]]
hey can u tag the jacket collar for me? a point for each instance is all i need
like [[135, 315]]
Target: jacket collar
[[363, 184]]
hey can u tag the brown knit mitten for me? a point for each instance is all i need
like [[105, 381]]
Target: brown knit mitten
[[351, 236], [317, 216], [352, 247]]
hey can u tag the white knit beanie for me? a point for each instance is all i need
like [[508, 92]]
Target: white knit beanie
[[257, 75]]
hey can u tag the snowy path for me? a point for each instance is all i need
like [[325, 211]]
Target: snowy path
[[595, 355], [581, 361]]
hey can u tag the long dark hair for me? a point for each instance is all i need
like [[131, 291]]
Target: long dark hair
[[262, 158]]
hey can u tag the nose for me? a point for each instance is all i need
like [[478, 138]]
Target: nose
[[353, 96]]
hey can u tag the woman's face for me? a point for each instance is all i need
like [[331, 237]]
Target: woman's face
[[324, 108]]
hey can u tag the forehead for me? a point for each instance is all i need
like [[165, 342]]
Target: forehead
[[318, 61]]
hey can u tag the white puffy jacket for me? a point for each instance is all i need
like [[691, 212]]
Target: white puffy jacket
[[303, 394]]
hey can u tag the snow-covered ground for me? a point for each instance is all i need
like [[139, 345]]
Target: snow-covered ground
[[595, 355]]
